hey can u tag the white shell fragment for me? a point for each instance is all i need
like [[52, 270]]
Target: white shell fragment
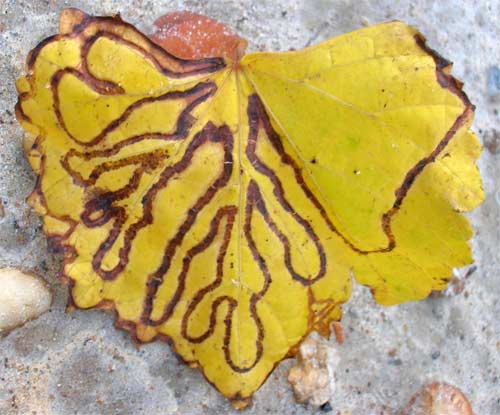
[[23, 297], [313, 378]]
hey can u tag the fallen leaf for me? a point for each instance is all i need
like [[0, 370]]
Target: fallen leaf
[[223, 205]]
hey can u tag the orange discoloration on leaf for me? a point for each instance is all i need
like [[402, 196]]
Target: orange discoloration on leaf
[[190, 35], [339, 332]]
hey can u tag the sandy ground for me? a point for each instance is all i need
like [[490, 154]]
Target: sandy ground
[[80, 364]]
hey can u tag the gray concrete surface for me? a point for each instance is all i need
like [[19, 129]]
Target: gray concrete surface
[[80, 364]]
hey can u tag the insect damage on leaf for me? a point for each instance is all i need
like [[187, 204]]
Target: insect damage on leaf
[[223, 203]]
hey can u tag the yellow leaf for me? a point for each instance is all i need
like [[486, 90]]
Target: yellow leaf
[[224, 205]]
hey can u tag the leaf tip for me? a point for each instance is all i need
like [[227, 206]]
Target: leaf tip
[[69, 19], [241, 403]]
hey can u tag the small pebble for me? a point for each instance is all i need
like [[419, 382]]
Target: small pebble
[[310, 378], [493, 81], [438, 399], [491, 140], [23, 297]]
